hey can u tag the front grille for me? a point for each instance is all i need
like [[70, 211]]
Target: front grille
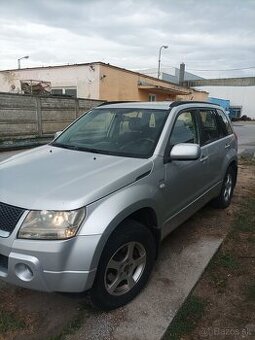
[[9, 217], [3, 261]]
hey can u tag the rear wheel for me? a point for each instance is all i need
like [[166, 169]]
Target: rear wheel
[[227, 189], [125, 265]]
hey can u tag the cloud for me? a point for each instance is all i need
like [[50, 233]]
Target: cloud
[[202, 33]]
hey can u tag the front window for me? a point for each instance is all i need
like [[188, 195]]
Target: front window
[[184, 130], [122, 132]]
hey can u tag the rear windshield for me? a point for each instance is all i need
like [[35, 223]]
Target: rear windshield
[[122, 132]]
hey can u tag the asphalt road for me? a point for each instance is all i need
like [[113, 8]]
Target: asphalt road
[[246, 136], [244, 131]]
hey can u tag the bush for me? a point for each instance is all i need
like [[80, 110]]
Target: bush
[[245, 118]]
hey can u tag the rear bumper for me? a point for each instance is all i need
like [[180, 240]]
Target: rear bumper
[[51, 266]]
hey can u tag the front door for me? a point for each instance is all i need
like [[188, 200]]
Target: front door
[[185, 181]]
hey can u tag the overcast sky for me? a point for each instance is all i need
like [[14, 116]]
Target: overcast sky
[[205, 34]]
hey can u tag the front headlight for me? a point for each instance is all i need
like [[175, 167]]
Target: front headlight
[[51, 225]]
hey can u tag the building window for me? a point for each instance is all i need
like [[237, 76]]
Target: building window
[[71, 92], [152, 98], [57, 91]]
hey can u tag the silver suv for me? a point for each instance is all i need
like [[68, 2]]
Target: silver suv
[[88, 211]]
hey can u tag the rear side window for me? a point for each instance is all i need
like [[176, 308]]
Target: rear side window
[[224, 123], [208, 126], [184, 130]]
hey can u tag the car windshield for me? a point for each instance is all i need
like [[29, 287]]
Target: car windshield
[[122, 132]]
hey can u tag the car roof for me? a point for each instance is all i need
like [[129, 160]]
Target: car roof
[[162, 105]]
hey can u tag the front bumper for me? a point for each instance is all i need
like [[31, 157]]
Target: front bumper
[[52, 266]]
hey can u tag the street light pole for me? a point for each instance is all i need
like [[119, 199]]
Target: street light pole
[[159, 58], [19, 59]]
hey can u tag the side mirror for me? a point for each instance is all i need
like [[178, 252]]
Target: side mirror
[[57, 134], [185, 152]]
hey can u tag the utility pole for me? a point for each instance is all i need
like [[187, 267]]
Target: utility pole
[[19, 59], [159, 58]]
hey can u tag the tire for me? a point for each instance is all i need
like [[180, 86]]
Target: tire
[[227, 189], [124, 267]]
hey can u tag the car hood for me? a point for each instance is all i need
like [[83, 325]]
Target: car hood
[[53, 178]]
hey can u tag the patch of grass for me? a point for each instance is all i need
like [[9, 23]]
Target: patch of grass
[[227, 261], [219, 281], [251, 239], [9, 322], [250, 292], [217, 267], [245, 220], [75, 324], [71, 327], [248, 160], [223, 260], [186, 319]]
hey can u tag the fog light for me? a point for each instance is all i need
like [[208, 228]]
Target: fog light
[[24, 272]]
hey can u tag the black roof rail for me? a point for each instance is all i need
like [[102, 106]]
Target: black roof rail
[[117, 102], [177, 103]]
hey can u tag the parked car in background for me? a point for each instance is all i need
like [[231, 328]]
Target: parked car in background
[[88, 211]]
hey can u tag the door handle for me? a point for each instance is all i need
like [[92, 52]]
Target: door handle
[[227, 146], [203, 158]]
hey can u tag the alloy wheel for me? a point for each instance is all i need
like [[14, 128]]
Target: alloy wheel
[[125, 268], [228, 188]]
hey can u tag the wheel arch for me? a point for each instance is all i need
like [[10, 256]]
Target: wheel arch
[[234, 165], [145, 215]]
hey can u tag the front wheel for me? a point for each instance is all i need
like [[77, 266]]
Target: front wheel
[[125, 265], [227, 189]]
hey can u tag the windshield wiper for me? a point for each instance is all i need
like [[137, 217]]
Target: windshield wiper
[[106, 152], [80, 148], [65, 146]]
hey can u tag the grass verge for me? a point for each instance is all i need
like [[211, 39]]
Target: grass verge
[[9, 322], [187, 318], [250, 292], [75, 324], [247, 160], [71, 327]]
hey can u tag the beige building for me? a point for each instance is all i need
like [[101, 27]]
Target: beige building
[[97, 81]]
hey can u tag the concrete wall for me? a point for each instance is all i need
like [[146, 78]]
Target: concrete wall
[[244, 81], [238, 96], [169, 74], [84, 78], [23, 116]]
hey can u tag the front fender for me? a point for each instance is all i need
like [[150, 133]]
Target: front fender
[[105, 215]]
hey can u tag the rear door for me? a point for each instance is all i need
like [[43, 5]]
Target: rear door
[[212, 144]]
